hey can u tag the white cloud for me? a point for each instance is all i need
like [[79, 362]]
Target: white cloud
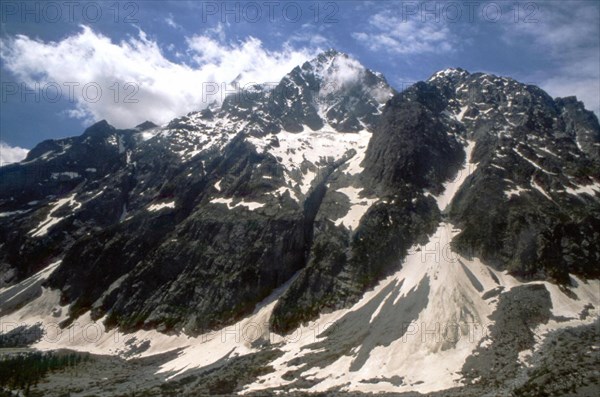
[[170, 20], [339, 74], [11, 154], [388, 32], [163, 89], [248, 58]]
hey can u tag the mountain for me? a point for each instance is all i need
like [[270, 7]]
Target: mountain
[[347, 237]]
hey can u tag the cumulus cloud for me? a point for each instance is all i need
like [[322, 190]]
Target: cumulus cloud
[[137, 82], [248, 58], [11, 154], [388, 32]]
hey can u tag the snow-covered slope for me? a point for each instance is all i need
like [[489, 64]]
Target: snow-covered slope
[[412, 332]]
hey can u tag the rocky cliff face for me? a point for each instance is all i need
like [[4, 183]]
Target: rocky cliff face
[[312, 191], [530, 206]]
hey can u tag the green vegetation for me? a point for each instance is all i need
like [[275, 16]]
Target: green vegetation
[[22, 371]]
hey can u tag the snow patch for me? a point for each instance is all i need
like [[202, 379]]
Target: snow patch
[[514, 192], [303, 154], [66, 175], [358, 207], [160, 206], [50, 220], [251, 205], [591, 189]]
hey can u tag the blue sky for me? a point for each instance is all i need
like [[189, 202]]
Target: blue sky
[[152, 60]]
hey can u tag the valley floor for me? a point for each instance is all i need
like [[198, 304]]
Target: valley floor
[[567, 365]]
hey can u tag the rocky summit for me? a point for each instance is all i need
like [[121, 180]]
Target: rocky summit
[[326, 234]]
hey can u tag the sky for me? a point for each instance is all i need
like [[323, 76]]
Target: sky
[[65, 65]]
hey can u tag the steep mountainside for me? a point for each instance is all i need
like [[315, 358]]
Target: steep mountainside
[[531, 205], [327, 199]]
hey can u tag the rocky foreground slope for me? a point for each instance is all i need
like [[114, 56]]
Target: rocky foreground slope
[[326, 234]]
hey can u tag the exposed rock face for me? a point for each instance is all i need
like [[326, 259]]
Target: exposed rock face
[[581, 124], [330, 177], [415, 143], [54, 171], [531, 205]]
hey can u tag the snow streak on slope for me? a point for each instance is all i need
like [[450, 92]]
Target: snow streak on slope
[[451, 187]]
